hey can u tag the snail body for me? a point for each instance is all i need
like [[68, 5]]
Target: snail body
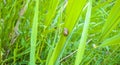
[[65, 32]]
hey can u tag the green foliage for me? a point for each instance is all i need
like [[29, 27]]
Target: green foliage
[[112, 20], [111, 41], [83, 39], [51, 11], [72, 14], [59, 32], [34, 34]]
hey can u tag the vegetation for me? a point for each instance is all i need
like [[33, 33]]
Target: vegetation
[[59, 32]]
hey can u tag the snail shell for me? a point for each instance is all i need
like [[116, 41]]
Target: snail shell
[[65, 32]]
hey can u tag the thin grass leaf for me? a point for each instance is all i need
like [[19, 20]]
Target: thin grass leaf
[[73, 11], [112, 20], [83, 39], [111, 41], [34, 34], [51, 11]]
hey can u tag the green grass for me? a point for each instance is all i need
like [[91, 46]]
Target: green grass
[[34, 32], [83, 39]]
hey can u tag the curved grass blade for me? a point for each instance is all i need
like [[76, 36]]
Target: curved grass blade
[[34, 34], [83, 39], [111, 41]]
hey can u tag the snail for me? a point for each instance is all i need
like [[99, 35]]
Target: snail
[[65, 32]]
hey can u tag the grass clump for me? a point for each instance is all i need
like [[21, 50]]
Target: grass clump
[[59, 32]]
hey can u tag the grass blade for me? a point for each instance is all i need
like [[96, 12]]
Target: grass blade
[[82, 44], [111, 41], [51, 11], [34, 34]]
